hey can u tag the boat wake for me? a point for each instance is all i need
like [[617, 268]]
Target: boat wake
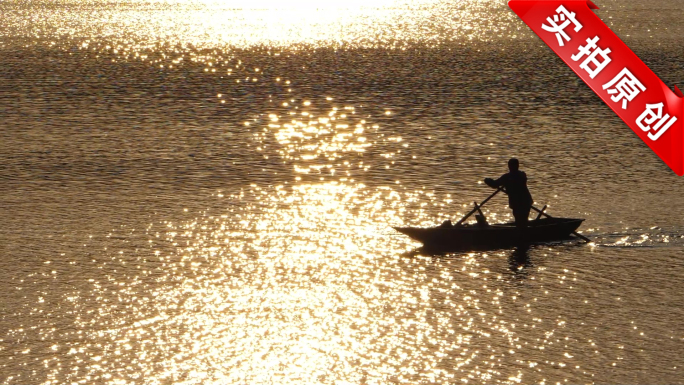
[[641, 237]]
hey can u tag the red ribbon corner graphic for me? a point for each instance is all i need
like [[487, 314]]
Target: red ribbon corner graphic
[[585, 43]]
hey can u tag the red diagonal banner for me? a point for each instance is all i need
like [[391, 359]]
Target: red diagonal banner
[[586, 44]]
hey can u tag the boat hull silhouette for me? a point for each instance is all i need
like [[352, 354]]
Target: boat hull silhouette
[[479, 236]]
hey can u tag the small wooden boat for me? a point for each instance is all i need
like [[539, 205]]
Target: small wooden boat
[[484, 236]]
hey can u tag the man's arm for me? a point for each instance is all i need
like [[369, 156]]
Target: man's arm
[[491, 182], [496, 183]]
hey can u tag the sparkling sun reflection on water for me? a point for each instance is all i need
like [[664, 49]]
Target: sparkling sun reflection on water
[[302, 284], [292, 289], [215, 23], [322, 126]]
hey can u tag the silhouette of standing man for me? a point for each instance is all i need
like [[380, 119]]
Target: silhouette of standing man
[[519, 197]]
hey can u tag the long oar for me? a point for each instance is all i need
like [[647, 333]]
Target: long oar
[[477, 208], [541, 212], [549, 216]]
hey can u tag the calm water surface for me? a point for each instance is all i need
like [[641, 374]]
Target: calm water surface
[[202, 192]]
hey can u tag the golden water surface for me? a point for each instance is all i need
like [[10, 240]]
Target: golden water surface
[[202, 192]]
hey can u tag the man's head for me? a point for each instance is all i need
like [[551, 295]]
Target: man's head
[[513, 164]]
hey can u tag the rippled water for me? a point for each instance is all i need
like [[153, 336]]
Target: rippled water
[[203, 192]]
